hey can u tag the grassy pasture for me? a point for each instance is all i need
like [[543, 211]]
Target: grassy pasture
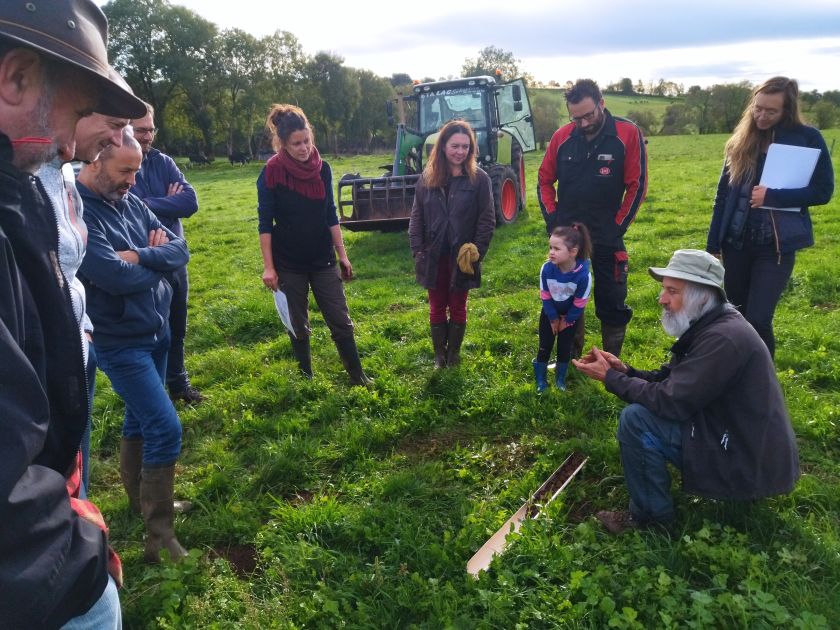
[[319, 505]]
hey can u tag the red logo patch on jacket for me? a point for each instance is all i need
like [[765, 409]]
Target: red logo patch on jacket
[[605, 170]]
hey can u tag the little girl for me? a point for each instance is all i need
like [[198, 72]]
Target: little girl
[[565, 283]]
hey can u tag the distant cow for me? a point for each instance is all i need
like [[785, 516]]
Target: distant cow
[[198, 159], [238, 157]]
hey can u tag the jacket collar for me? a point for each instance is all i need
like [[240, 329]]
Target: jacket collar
[[6, 151], [151, 154], [607, 130], [11, 179], [88, 196], [681, 346]]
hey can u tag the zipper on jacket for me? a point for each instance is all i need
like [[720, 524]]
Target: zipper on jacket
[[776, 237], [63, 282]]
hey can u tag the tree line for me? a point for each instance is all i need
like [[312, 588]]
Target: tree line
[[211, 88]]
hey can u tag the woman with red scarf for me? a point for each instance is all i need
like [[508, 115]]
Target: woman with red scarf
[[300, 237]]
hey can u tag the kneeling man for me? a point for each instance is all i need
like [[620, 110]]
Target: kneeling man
[[715, 411]]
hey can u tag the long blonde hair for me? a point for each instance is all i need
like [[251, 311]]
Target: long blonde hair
[[436, 173], [742, 148]]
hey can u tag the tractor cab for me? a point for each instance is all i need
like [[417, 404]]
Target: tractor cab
[[499, 114]]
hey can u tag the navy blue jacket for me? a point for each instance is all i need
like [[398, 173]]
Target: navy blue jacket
[[53, 564], [565, 293], [301, 240], [793, 230], [156, 173], [127, 303]]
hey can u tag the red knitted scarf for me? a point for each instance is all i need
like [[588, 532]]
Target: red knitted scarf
[[302, 177]]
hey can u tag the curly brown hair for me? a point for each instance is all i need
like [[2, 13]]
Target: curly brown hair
[[283, 120]]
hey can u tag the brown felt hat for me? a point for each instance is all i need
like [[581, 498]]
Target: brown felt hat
[[73, 32]]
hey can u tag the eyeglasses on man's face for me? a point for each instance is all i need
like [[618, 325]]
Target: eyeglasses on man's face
[[588, 117], [145, 131]]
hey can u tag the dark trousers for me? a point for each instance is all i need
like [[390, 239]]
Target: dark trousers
[[177, 379], [547, 337], [754, 278], [444, 296], [609, 270], [328, 290]]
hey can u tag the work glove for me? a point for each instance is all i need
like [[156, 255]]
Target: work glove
[[467, 255]]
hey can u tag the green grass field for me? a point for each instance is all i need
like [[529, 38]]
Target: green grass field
[[319, 505]]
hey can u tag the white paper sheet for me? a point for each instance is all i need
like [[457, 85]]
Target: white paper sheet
[[788, 166], [282, 305]]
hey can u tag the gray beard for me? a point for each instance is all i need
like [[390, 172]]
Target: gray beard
[[675, 324], [30, 157]]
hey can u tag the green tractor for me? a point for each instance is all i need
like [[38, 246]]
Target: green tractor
[[500, 115]]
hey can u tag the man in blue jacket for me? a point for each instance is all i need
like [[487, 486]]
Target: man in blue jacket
[[162, 186], [129, 258]]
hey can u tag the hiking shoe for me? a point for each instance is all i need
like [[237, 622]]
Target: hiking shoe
[[189, 395], [617, 522]]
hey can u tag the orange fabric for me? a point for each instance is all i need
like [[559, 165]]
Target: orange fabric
[[88, 511]]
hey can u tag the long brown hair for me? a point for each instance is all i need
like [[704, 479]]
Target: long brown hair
[[283, 120], [436, 173], [741, 150]]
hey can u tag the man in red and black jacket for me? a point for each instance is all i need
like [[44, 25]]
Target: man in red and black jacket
[[599, 163]]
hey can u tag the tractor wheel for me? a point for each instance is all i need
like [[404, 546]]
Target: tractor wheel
[[505, 193]]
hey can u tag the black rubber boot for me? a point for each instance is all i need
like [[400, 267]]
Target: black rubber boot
[[440, 332], [454, 341], [303, 354], [612, 338], [350, 359], [157, 490]]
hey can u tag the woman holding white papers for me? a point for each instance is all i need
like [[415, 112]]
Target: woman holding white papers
[[300, 238], [758, 222]]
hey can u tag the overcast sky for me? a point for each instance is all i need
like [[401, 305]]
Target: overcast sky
[[694, 43]]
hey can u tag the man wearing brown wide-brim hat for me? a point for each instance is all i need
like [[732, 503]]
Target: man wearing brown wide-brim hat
[[55, 563]]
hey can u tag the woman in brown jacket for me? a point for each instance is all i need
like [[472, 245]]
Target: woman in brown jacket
[[452, 222]]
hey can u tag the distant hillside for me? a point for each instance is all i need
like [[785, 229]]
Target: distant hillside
[[618, 104]]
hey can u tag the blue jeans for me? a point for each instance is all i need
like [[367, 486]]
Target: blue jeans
[[85, 446], [105, 614], [647, 443], [137, 374]]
